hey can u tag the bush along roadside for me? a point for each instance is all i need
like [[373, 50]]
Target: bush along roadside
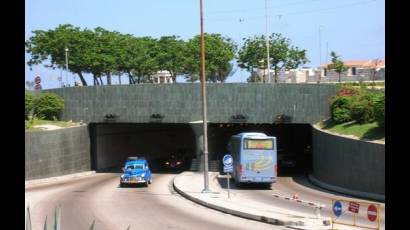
[[359, 105], [358, 112], [43, 106]]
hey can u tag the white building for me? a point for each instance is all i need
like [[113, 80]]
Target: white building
[[162, 77]]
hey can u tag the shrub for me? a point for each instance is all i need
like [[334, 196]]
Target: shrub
[[364, 106], [379, 110], [362, 109], [340, 109], [48, 106], [28, 104], [348, 91]]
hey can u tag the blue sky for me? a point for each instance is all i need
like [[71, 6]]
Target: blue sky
[[355, 29]]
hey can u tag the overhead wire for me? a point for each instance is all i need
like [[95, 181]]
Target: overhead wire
[[292, 13]]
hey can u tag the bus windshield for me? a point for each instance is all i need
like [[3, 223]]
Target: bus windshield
[[258, 144]]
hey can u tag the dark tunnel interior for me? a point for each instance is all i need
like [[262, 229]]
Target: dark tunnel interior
[[112, 143]]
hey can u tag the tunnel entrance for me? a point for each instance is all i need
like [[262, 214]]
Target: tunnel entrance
[[112, 143], [294, 143]]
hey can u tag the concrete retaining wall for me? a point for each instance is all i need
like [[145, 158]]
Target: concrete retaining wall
[[181, 103], [57, 152], [349, 163]]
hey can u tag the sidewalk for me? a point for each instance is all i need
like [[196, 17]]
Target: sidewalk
[[190, 185]]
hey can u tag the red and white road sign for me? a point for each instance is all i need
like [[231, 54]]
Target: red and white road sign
[[37, 80], [372, 212], [354, 207]]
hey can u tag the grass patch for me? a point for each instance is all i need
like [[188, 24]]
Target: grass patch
[[368, 131], [31, 123]]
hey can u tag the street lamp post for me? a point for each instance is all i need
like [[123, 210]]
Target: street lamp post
[[66, 65], [267, 41], [204, 119]]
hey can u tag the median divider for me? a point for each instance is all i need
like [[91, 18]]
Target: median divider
[[190, 185]]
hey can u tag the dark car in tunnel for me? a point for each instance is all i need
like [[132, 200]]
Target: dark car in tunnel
[[175, 162]]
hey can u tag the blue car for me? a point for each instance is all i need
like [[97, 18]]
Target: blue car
[[136, 172]]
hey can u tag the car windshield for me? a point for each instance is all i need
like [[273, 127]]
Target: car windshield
[[130, 167]]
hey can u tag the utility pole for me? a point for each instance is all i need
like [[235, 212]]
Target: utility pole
[[204, 119], [267, 41], [327, 53], [320, 54], [66, 65]]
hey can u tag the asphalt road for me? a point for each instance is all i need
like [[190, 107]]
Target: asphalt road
[[99, 198]]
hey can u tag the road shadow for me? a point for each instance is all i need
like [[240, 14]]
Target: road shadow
[[303, 180], [223, 182]]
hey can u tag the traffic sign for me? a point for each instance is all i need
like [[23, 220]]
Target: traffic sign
[[228, 168], [354, 207], [337, 208], [37, 80], [372, 212], [227, 160]]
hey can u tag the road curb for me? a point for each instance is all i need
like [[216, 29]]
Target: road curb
[[245, 215], [346, 191], [55, 180]]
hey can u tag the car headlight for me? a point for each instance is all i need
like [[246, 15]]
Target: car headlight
[[142, 175], [122, 176]]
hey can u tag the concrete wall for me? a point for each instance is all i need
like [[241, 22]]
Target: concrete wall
[[349, 163], [181, 103], [57, 152]]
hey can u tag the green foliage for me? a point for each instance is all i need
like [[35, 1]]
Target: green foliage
[[360, 105], [283, 55], [362, 109], [28, 104], [337, 64], [340, 109], [171, 55], [379, 108], [219, 52], [102, 53], [48, 106]]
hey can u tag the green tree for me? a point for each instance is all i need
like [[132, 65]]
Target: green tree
[[171, 55], [337, 64], [219, 52], [50, 45], [283, 55], [48, 106], [102, 57]]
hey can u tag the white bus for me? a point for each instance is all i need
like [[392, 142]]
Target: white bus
[[254, 158]]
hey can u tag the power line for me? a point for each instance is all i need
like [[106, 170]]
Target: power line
[[256, 9], [293, 13]]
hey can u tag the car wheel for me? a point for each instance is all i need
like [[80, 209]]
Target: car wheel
[[146, 184], [150, 181], [121, 185]]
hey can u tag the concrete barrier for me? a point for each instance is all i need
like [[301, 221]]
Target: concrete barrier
[[355, 166], [56, 152]]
